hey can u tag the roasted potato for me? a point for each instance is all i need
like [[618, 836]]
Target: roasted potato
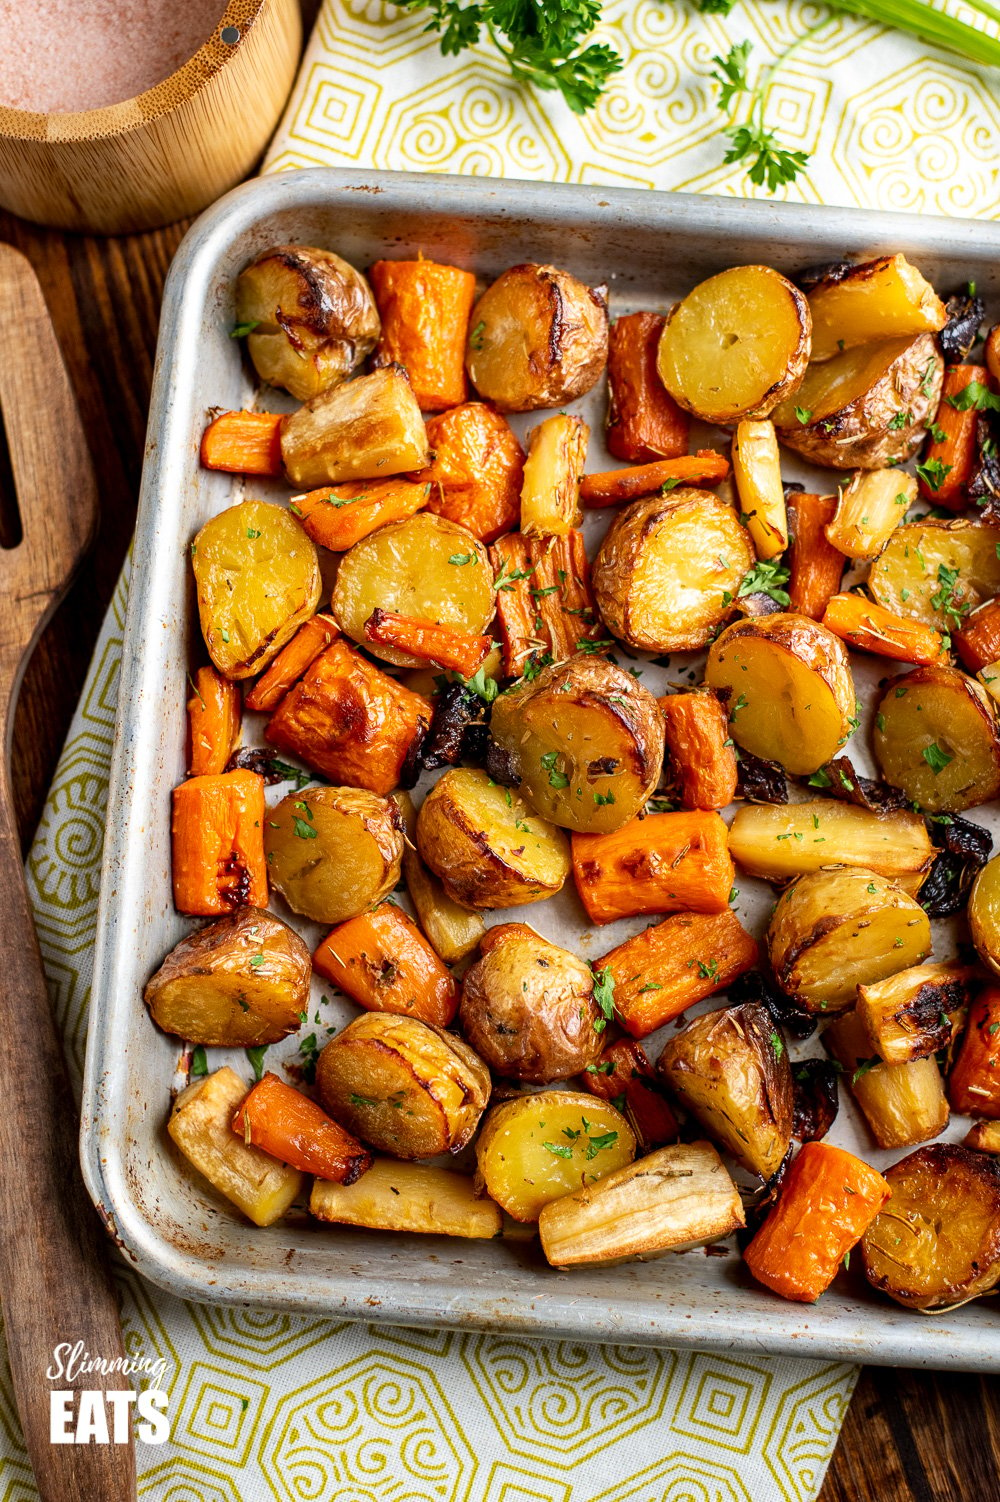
[[937, 571], [536, 1149], [777, 841], [937, 1242], [757, 473], [550, 486], [365, 429], [984, 914], [537, 338], [786, 681], [486, 845], [902, 1103], [528, 1007], [332, 852], [310, 318], [454, 931], [730, 1070], [241, 981], [584, 741], [201, 1126], [669, 568], [736, 346], [426, 568], [670, 1201], [258, 580], [882, 299], [869, 509], [832, 931], [984, 1136], [408, 1197], [865, 408], [406, 1087], [915, 1013], [936, 738]]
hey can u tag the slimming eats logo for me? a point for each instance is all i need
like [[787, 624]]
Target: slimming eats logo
[[103, 1416]]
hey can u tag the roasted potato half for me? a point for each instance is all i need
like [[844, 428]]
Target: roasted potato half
[[333, 852], [425, 567], [537, 338], [882, 299], [408, 1197], [984, 914], [736, 346], [935, 571], [669, 1201], [834, 930], [241, 981], [584, 740], [669, 568], [937, 1241], [538, 1148], [865, 408], [365, 429], [936, 738], [486, 845], [258, 580], [311, 318], [404, 1086], [786, 681], [528, 1007], [730, 1070]]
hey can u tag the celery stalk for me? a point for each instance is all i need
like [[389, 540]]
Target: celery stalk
[[932, 25]]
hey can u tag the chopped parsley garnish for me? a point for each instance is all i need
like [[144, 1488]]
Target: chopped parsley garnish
[[935, 758], [256, 1057]]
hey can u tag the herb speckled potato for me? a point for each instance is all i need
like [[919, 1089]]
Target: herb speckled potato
[[937, 739], [937, 571], [332, 852]]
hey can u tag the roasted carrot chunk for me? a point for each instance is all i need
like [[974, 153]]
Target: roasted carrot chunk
[[706, 467], [815, 565], [457, 651], [338, 516], [644, 422], [701, 749], [664, 863], [544, 600], [383, 962], [292, 661], [974, 1082], [624, 1076], [214, 718], [827, 1202], [477, 470], [425, 311], [870, 628], [951, 453], [349, 721], [978, 640], [243, 443], [664, 970], [218, 844], [289, 1126]]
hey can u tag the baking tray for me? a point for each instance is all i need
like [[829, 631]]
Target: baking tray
[[650, 247]]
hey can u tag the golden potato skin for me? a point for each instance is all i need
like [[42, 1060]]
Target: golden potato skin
[[854, 398], [486, 845], [936, 737], [905, 578], [585, 741], [350, 861], [528, 1008], [406, 566], [538, 337], [402, 1085], [258, 580], [235, 983], [315, 318], [730, 1069], [365, 429], [984, 914], [937, 1242], [665, 568]]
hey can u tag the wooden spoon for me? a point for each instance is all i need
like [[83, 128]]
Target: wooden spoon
[[54, 1283]]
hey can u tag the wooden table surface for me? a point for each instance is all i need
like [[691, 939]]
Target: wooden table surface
[[909, 1437]]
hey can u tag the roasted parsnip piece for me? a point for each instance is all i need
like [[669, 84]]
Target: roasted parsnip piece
[[779, 841], [870, 508], [757, 472], [730, 1070], [917, 1012], [413, 1197], [669, 1201], [937, 738], [550, 487], [902, 1103], [880, 299], [365, 429], [834, 930], [201, 1127]]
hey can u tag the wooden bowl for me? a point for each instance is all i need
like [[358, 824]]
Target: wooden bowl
[[168, 152]]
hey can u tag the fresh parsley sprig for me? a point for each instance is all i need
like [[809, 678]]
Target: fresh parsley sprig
[[768, 163]]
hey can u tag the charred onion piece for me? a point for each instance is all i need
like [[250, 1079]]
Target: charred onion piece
[[984, 484], [815, 1099], [965, 313], [967, 848], [850, 787], [754, 986], [760, 781], [830, 272], [455, 709]]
